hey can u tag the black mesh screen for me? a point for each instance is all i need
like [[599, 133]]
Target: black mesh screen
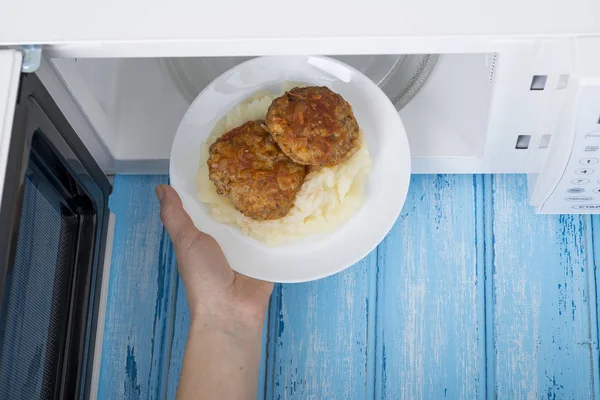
[[38, 297], [53, 220]]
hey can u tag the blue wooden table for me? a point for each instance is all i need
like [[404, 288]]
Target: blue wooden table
[[471, 295]]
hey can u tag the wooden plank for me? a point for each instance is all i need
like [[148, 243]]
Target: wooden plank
[[428, 317], [485, 267], [318, 344], [541, 299], [181, 324], [138, 312], [593, 252], [409, 321]]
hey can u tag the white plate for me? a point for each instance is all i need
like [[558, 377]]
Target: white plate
[[317, 256]]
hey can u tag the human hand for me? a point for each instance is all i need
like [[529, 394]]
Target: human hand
[[216, 294], [227, 312]]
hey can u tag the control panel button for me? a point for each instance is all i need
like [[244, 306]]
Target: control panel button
[[580, 181], [586, 207], [578, 190], [578, 198], [588, 161], [593, 135], [584, 171], [597, 190]]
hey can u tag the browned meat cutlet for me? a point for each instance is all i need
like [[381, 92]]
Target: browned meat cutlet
[[249, 168], [314, 126]]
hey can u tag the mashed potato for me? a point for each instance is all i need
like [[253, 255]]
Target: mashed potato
[[327, 198]]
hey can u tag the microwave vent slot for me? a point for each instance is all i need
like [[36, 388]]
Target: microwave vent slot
[[563, 82], [545, 141], [523, 142], [538, 82], [492, 67]]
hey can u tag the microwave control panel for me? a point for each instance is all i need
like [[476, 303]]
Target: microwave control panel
[[577, 189]]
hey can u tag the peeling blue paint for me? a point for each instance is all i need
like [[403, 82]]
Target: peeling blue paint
[[307, 342], [384, 369], [131, 385], [280, 322], [441, 182], [160, 277], [552, 390]]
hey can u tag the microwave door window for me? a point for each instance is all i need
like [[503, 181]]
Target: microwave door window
[[53, 230], [36, 312]]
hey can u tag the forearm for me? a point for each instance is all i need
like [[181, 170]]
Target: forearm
[[221, 360]]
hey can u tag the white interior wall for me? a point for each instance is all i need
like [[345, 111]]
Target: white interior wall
[[131, 102], [135, 107], [448, 118], [466, 119]]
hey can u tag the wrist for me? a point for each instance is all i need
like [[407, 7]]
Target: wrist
[[231, 322], [227, 312], [221, 360]]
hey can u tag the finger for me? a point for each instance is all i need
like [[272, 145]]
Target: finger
[[177, 222]]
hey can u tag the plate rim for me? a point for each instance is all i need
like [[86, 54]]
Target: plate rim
[[385, 228]]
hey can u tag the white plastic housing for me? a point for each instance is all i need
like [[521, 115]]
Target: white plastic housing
[[142, 28], [569, 181], [468, 117]]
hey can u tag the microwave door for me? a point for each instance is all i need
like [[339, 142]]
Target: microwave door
[[11, 151], [53, 221]]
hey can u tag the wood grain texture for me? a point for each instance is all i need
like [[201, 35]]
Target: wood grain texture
[[318, 343], [542, 302], [428, 314], [471, 295], [181, 324], [593, 252], [137, 328]]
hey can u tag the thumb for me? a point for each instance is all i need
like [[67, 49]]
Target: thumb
[[177, 222]]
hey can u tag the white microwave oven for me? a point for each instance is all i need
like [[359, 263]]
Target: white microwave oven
[[508, 87], [502, 87]]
